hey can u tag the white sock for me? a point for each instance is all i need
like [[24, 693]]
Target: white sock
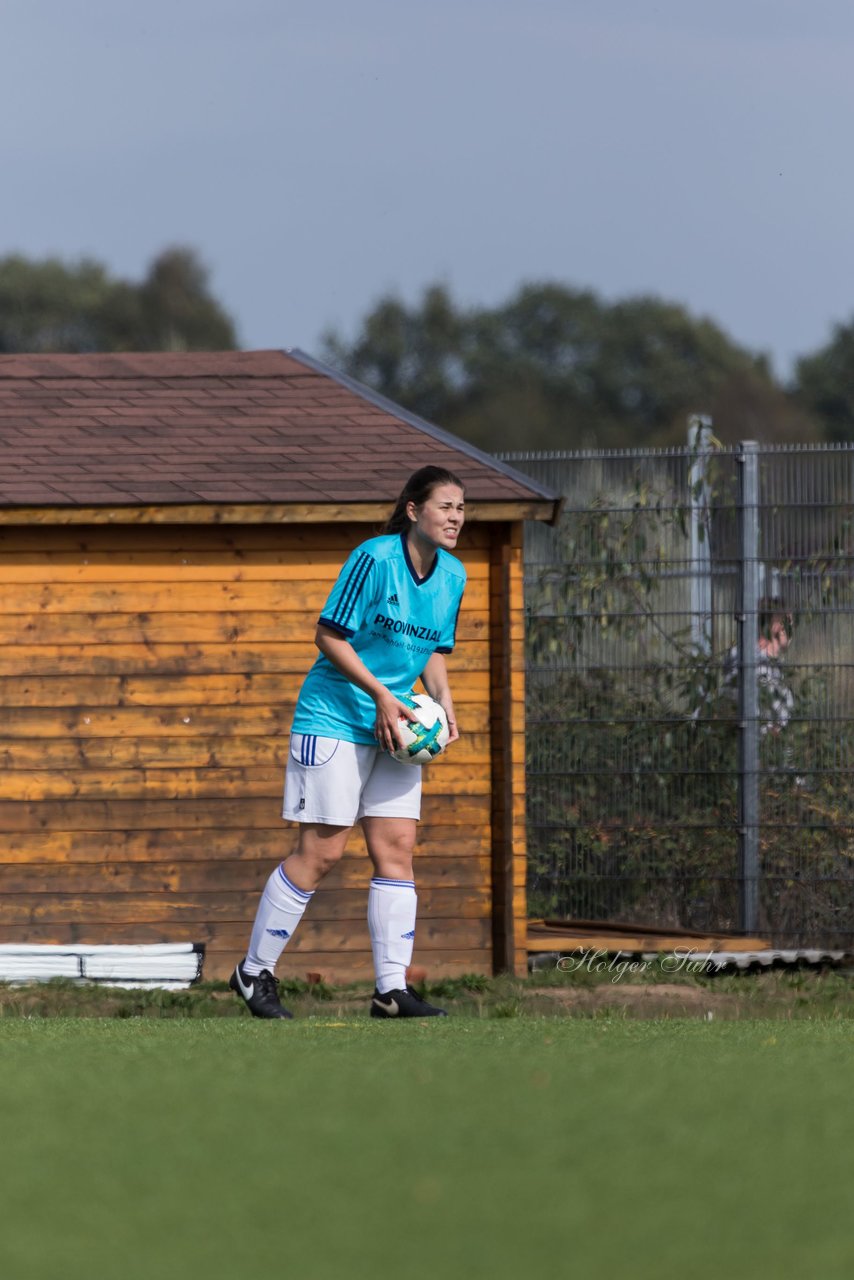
[[391, 921], [279, 912]]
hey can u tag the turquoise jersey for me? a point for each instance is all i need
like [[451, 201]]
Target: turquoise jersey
[[394, 620]]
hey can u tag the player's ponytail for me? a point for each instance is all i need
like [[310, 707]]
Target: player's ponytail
[[418, 489]]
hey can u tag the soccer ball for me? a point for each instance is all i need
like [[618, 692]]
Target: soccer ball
[[426, 739]]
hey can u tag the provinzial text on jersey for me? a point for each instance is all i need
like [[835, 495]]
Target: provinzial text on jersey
[[405, 628]]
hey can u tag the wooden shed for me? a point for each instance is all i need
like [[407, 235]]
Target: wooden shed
[[170, 525]]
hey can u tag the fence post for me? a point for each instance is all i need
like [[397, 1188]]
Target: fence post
[[748, 688], [699, 439]]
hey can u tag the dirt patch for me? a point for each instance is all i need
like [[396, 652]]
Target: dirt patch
[[654, 1001]]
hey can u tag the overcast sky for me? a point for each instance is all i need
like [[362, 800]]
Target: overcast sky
[[319, 154]]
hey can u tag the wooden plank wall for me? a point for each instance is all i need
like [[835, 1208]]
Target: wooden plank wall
[[147, 681], [507, 720]]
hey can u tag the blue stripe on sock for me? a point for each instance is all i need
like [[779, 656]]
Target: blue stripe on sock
[[409, 884], [301, 893]]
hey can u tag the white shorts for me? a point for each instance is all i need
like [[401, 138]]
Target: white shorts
[[337, 783]]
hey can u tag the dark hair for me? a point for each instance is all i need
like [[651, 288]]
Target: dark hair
[[418, 489], [771, 608]]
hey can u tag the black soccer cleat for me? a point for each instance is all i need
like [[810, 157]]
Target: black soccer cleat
[[259, 992], [403, 1004]]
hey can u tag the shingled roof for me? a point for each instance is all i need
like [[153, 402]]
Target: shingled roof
[[193, 429]]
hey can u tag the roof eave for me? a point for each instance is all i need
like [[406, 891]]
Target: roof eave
[[498, 511]]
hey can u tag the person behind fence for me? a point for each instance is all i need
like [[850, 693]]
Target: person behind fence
[[776, 700]]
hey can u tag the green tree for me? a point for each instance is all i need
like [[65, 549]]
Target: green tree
[[53, 306], [824, 384], [556, 367]]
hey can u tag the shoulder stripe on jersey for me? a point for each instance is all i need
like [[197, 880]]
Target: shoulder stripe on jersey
[[352, 587]]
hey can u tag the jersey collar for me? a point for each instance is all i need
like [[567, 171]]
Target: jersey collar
[[419, 581]]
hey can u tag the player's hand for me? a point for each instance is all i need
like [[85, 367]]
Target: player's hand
[[450, 715], [389, 710]]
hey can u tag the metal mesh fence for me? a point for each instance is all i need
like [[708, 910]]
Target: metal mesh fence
[[688, 764]]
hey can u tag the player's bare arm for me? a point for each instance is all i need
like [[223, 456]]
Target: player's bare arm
[[435, 680], [342, 655]]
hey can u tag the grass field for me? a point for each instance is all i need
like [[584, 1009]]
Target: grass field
[[147, 1148]]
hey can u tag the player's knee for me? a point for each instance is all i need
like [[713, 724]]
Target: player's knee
[[321, 852], [393, 855]]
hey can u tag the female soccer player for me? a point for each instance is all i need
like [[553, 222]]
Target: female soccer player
[[389, 620]]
